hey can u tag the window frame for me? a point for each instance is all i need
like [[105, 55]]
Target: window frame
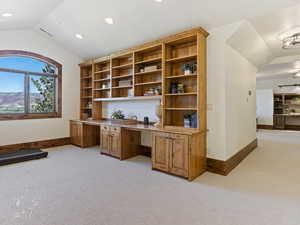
[[58, 94]]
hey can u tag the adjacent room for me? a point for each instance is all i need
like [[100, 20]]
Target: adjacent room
[[153, 112]]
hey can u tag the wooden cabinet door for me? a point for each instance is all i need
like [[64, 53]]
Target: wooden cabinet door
[[105, 141], [160, 151], [179, 152], [115, 147], [76, 133]]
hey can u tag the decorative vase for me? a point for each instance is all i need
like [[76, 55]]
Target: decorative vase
[[159, 115]]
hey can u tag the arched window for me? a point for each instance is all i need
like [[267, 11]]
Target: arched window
[[30, 86]]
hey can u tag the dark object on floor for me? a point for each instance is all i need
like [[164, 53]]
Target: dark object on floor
[[21, 156]]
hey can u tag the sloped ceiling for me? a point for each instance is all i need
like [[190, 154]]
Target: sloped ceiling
[[250, 44], [136, 21]]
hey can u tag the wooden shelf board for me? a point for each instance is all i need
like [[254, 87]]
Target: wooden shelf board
[[181, 94], [135, 98], [183, 58], [149, 61], [86, 77], [84, 97], [123, 66], [148, 72], [182, 76], [120, 77], [149, 83], [101, 89], [102, 71], [179, 109], [119, 87], [86, 87], [100, 80]]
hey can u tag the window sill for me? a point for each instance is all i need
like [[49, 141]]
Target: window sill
[[29, 116]]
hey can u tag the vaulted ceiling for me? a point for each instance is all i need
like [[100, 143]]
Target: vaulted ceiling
[[138, 21]]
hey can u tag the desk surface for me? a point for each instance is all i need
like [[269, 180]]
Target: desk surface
[[140, 127]]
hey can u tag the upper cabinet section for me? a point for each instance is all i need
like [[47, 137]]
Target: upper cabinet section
[[172, 69]]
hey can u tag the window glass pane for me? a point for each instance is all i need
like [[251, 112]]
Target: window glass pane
[[11, 93], [42, 94], [26, 64]]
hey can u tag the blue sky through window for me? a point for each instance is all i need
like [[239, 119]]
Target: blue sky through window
[[10, 82]]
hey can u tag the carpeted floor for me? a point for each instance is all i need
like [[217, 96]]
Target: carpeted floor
[[81, 187]]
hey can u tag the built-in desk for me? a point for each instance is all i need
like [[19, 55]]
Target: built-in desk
[[180, 152]]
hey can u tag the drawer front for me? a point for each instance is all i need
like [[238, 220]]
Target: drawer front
[[115, 129], [105, 128]]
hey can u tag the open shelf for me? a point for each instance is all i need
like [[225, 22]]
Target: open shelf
[[181, 94], [123, 66], [102, 71], [148, 83], [149, 61], [148, 72], [122, 87], [134, 98], [181, 59], [121, 77], [184, 109], [182, 76], [101, 80]]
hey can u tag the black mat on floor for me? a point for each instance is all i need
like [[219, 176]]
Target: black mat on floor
[[21, 156]]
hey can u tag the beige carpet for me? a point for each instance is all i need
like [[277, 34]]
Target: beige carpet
[[81, 187]]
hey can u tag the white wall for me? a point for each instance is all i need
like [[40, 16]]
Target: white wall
[[240, 103], [265, 106], [20, 131]]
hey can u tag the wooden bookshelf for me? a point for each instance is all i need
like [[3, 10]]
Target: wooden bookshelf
[[86, 90], [151, 71]]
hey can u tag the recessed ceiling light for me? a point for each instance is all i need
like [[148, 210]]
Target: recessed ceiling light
[[79, 36], [109, 20], [6, 14], [158, 0], [297, 75]]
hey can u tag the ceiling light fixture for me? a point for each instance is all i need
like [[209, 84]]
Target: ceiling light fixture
[[6, 14], [291, 41], [79, 36], [297, 75], [158, 0], [109, 20]]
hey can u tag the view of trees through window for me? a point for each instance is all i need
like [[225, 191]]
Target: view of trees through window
[[26, 86]]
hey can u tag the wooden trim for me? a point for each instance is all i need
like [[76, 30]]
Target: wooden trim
[[23, 116], [225, 167], [37, 144], [265, 127]]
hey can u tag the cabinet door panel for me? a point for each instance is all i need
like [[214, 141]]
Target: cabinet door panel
[[76, 133], [179, 155], [105, 141], [160, 151], [115, 149]]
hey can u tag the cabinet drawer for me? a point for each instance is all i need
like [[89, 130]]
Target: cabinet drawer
[[105, 128], [115, 129]]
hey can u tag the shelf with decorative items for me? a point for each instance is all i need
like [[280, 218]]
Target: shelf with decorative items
[[148, 71], [122, 75], [182, 82]]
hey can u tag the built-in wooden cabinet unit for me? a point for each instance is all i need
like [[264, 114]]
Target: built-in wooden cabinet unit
[[178, 154], [172, 69], [110, 142], [84, 135]]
